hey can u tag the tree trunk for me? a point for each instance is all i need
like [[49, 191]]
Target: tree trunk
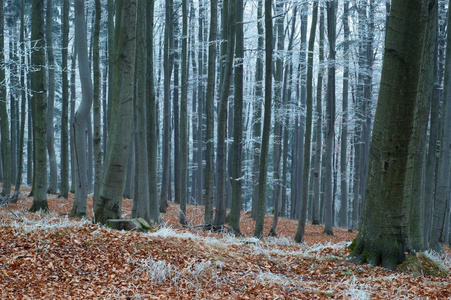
[[257, 117], [80, 122], [442, 197], [317, 173], [330, 119], [141, 208], [261, 205], [109, 204], [237, 146], [299, 237], [64, 190], [96, 104], [38, 87], [385, 232], [4, 121], [53, 179], [220, 214], [210, 98], [184, 116], [168, 65], [278, 112], [23, 86], [151, 117]]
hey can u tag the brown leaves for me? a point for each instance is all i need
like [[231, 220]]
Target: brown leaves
[[50, 256]]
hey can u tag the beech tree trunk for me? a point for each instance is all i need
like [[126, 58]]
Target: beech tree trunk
[[109, 203], [64, 190], [81, 117], [38, 87], [385, 233]]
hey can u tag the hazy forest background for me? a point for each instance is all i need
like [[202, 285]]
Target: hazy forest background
[[261, 106]]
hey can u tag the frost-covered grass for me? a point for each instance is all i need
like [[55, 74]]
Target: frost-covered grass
[[40, 220]]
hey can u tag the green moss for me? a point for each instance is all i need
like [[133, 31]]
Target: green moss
[[353, 245], [421, 264]]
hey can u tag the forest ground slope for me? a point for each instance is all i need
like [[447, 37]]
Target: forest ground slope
[[52, 256]]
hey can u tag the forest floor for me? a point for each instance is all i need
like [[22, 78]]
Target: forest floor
[[51, 256]]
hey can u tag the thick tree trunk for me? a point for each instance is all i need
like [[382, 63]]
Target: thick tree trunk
[[141, 208], [385, 232], [109, 204]]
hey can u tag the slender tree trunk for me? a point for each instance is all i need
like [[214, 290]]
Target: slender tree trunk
[[152, 124], [308, 134], [330, 118], [65, 103], [96, 109], [317, 173], [184, 116], [38, 86], [109, 204], [257, 117], [210, 98], [81, 117], [168, 65], [53, 179], [261, 204], [4, 120], [278, 113], [23, 102], [237, 146]]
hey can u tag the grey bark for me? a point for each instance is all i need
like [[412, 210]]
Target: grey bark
[[4, 120], [210, 99], [330, 120], [141, 201], [109, 204], [64, 189], [38, 86], [98, 155], [81, 117], [53, 179], [261, 205], [184, 116]]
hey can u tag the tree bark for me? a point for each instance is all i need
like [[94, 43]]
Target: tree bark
[[141, 201], [64, 190], [38, 86], [261, 204], [210, 99], [53, 179], [81, 117], [237, 146], [109, 204], [385, 232], [330, 119]]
